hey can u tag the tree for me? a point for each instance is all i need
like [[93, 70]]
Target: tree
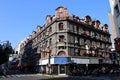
[[5, 50]]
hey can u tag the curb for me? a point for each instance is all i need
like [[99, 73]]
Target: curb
[[47, 75]]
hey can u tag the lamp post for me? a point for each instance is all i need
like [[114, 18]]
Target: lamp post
[[49, 60]]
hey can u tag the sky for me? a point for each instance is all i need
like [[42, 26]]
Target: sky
[[18, 18]]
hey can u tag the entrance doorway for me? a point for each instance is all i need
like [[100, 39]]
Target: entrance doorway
[[62, 69]]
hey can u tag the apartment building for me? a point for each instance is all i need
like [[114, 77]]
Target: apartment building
[[66, 42]]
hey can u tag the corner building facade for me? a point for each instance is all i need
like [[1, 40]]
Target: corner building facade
[[66, 42]]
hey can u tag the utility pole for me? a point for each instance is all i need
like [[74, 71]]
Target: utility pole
[[49, 62]]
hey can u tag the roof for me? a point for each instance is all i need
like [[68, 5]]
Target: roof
[[60, 7]]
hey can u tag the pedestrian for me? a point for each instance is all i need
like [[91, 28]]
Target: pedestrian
[[4, 69], [103, 70]]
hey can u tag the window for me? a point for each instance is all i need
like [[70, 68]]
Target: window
[[60, 14], [61, 47], [84, 32], [61, 10], [81, 41], [80, 30], [98, 44], [61, 38], [103, 45], [61, 26], [50, 41], [88, 42], [76, 39], [119, 30], [61, 53], [46, 43], [117, 11], [93, 44], [75, 28], [50, 29]]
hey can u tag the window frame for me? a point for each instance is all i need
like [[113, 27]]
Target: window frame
[[61, 26], [61, 38], [117, 11]]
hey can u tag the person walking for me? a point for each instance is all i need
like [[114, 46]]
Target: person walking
[[4, 69]]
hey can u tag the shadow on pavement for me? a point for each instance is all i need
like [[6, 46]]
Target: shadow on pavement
[[62, 78], [106, 77]]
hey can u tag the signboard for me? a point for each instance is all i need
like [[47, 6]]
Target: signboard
[[94, 61], [80, 61], [45, 61]]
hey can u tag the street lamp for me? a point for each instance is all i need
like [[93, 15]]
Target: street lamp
[[48, 60]]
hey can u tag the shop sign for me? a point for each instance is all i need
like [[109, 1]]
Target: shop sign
[[94, 61], [80, 61]]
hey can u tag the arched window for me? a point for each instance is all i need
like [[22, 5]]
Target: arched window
[[50, 30], [61, 53], [60, 13], [61, 26], [50, 41]]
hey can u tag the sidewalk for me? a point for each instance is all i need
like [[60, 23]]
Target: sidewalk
[[52, 76]]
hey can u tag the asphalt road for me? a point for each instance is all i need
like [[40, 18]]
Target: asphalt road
[[46, 77], [15, 75]]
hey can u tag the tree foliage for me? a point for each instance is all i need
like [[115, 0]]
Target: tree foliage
[[4, 53]]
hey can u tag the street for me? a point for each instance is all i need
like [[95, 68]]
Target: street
[[14, 75], [37, 77]]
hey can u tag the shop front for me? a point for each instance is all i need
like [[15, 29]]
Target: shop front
[[66, 65], [57, 65]]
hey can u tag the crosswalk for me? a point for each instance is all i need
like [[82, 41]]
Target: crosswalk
[[43, 77], [18, 75]]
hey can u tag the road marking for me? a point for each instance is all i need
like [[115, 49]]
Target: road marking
[[18, 75]]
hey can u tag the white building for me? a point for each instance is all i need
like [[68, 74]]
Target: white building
[[114, 18]]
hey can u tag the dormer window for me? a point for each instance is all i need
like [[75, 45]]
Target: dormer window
[[88, 19], [61, 26], [38, 28], [60, 14], [97, 24], [33, 33], [61, 10]]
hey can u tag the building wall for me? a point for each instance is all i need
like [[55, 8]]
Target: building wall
[[114, 18], [115, 11], [112, 26], [67, 36], [78, 38]]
